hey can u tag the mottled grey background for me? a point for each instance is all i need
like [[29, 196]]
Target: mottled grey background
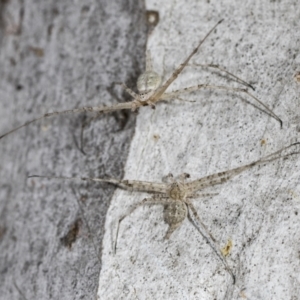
[[259, 210], [57, 55]]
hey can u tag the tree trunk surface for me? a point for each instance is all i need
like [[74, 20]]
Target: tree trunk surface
[[56, 236], [57, 55], [255, 215]]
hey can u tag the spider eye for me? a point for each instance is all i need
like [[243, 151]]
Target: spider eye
[[148, 82]]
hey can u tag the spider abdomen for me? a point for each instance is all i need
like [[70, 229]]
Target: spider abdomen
[[148, 82], [175, 213]]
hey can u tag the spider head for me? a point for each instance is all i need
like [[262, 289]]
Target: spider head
[[148, 82], [177, 191]]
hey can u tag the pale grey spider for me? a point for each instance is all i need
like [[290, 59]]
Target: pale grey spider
[[151, 91], [176, 195]]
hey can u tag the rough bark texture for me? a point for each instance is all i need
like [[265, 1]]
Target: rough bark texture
[[66, 54], [259, 210], [57, 55]]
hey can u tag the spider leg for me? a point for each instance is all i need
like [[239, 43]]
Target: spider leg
[[129, 185], [239, 80], [19, 290], [97, 109], [149, 66], [86, 224], [157, 199], [169, 178], [161, 90], [184, 100], [137, 102], [194, 218], [172, 95], [182, 177], [84, 124], [128, 90], [222, 177], [203, 195]]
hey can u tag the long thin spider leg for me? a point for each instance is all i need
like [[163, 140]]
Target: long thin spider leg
[[133, 105], [19, 290], [128, 90], [129, 185], [208, 236], [160, 91], [202, 195], [83, 126], [225, 71], [157, 199], [172, 95], [97, 109], [149, 66], [137, 102], [184, 100], [222, 177], [87, 225]]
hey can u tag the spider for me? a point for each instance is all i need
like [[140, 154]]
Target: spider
[[151, 91], [176, 197]]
